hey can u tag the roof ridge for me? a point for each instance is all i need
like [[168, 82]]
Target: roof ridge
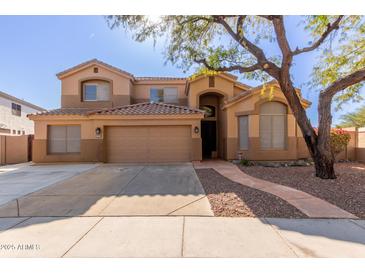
[[92, 61]]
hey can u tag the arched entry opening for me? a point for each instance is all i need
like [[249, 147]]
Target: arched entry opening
[[212, 125]]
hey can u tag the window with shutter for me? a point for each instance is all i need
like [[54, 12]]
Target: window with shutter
[[164, 95], [64, 139], [273, 125], [96, 91]]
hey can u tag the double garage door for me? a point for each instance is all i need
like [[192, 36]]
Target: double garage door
[[145, 144]]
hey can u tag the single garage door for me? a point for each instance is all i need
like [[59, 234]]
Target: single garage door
[[139, 144]]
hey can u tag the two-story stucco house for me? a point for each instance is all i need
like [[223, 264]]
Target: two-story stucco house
[[13, 115], [110, 115]]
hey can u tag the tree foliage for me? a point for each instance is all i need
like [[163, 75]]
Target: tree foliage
[[353, 119]]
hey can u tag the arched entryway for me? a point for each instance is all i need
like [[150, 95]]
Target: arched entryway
[[212, 125]]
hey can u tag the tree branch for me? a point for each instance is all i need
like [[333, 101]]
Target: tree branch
[[330, 28], [257, 52], [239, 68], [242, 40], [280, 32], [345, 82]]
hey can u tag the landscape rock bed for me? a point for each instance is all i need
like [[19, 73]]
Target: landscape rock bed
[[346, 192], [231, 199]]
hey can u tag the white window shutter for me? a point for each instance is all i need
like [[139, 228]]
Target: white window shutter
[[243, 132], [73, 139], [278, 130], [265, 131], [170, 95], [103, 92], [57, 139]]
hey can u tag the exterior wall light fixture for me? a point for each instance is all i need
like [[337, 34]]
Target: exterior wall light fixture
[[196, 130], [98, 132]]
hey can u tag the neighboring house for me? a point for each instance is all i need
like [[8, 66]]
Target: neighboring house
[[110, 115], [13, 115]]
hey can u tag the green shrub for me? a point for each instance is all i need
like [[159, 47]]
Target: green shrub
[[339, 140], [245, 162]]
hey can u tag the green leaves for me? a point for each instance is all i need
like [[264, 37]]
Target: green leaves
[[353, 119], [342, 55]]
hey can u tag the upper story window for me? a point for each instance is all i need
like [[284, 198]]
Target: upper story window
[[273, 125], [96, 91], [165, 95], [16, 109]]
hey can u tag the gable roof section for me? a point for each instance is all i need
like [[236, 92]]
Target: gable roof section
[[62, 111], [93, 62], [247, 93], [136, 109], [149, 109]]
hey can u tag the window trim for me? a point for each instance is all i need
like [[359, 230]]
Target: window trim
[[62, 153]]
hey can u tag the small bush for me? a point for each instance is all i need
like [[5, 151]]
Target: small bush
[[339, 140], [245, 162]]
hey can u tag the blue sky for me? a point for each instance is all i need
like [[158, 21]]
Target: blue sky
[[34, 48]]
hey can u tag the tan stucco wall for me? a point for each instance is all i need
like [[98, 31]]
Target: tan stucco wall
[[71, 88], [93, 148], [201, 86]]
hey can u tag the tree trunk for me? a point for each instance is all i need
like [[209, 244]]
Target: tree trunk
[[324, 166], [319, 145]]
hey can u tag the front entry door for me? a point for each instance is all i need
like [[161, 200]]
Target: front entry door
[[209, 138]]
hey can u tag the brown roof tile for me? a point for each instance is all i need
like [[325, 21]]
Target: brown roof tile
[[149, 109], [136, 109], [160, 78], [62, 111]]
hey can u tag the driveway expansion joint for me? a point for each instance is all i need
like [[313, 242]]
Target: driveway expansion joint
[[83, 236]]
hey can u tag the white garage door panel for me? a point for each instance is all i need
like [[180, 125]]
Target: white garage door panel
[[149, 144]]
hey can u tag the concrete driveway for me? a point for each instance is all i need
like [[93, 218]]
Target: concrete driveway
[[22, 179], [119, 190]]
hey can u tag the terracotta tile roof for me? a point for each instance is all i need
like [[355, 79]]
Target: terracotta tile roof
[[62, 111], [160, 78], [149, 109], [92, 61], [136, 109]]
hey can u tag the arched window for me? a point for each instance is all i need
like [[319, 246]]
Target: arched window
[[273, 128], [95, 90]]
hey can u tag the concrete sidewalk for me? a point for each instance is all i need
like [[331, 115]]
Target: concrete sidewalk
[[180, 237]]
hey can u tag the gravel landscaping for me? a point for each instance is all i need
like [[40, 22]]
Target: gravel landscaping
[[346, 192], [231, 199]]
